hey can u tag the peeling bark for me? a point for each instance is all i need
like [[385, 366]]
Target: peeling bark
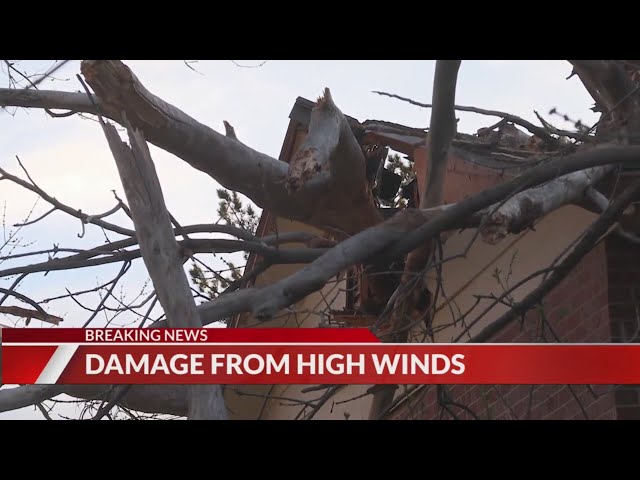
[[331, 159], [522, 210]]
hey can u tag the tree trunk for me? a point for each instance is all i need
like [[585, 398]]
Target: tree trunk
[[161, 254]]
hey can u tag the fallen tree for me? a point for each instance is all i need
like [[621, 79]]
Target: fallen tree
[[326, 175]]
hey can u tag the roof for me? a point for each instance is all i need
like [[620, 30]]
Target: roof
[[502, 147]]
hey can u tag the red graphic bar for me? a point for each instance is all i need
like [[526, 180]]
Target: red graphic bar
[[326, 364], [200, 335]]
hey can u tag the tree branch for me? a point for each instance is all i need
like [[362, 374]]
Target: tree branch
[[533, 129], [442, 131], [65, 208], [160, 252], [197, 245], [26, 395], [398, 235], [584, 246], [523, 209], [263, 178], [331, 158], [29, 314]]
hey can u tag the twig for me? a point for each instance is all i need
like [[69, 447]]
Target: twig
[[123, 270], [65, 208], [121, 391], [27, 300], [534, 129]]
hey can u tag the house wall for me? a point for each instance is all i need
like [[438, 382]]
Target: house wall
[[250, 401], [599, 301], [576, 309], [490, 270], [623, 260]]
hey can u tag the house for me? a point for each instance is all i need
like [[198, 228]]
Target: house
[[596, 302]]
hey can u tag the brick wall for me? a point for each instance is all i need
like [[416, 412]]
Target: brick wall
[[577, 310], [623, 259]]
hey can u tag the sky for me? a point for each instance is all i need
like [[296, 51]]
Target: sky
[[69, 157]]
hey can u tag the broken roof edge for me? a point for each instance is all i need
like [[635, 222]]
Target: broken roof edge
[[406, 139]]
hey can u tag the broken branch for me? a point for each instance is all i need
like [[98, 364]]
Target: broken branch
[[160, 252]]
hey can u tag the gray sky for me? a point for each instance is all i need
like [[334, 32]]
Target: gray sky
[[69, 157]]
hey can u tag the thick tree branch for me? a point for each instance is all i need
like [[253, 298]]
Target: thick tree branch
[[605, 80], [160, 252], [402, 233], [553, 168], [166, 399], [263, 179], [48, 99], [442, 131], [24, 396], [331, 159], [522, 210], [584, 246]]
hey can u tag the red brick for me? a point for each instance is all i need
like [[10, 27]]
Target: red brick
[[628, 413], [596, 302]]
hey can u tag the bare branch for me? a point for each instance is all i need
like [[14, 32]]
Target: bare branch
[[521, 210], [605, 81], [602, 203], [197, 245], [533, 129], [65, 208], [441, 132], [47, 99], [24, 396], [160, 252], [584, 246], [398, 235], [41, 314], [29, 314]]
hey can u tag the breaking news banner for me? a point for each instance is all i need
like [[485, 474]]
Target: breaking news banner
[[296, 356]]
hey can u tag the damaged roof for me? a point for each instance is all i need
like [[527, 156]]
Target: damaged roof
[[501, 146]]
